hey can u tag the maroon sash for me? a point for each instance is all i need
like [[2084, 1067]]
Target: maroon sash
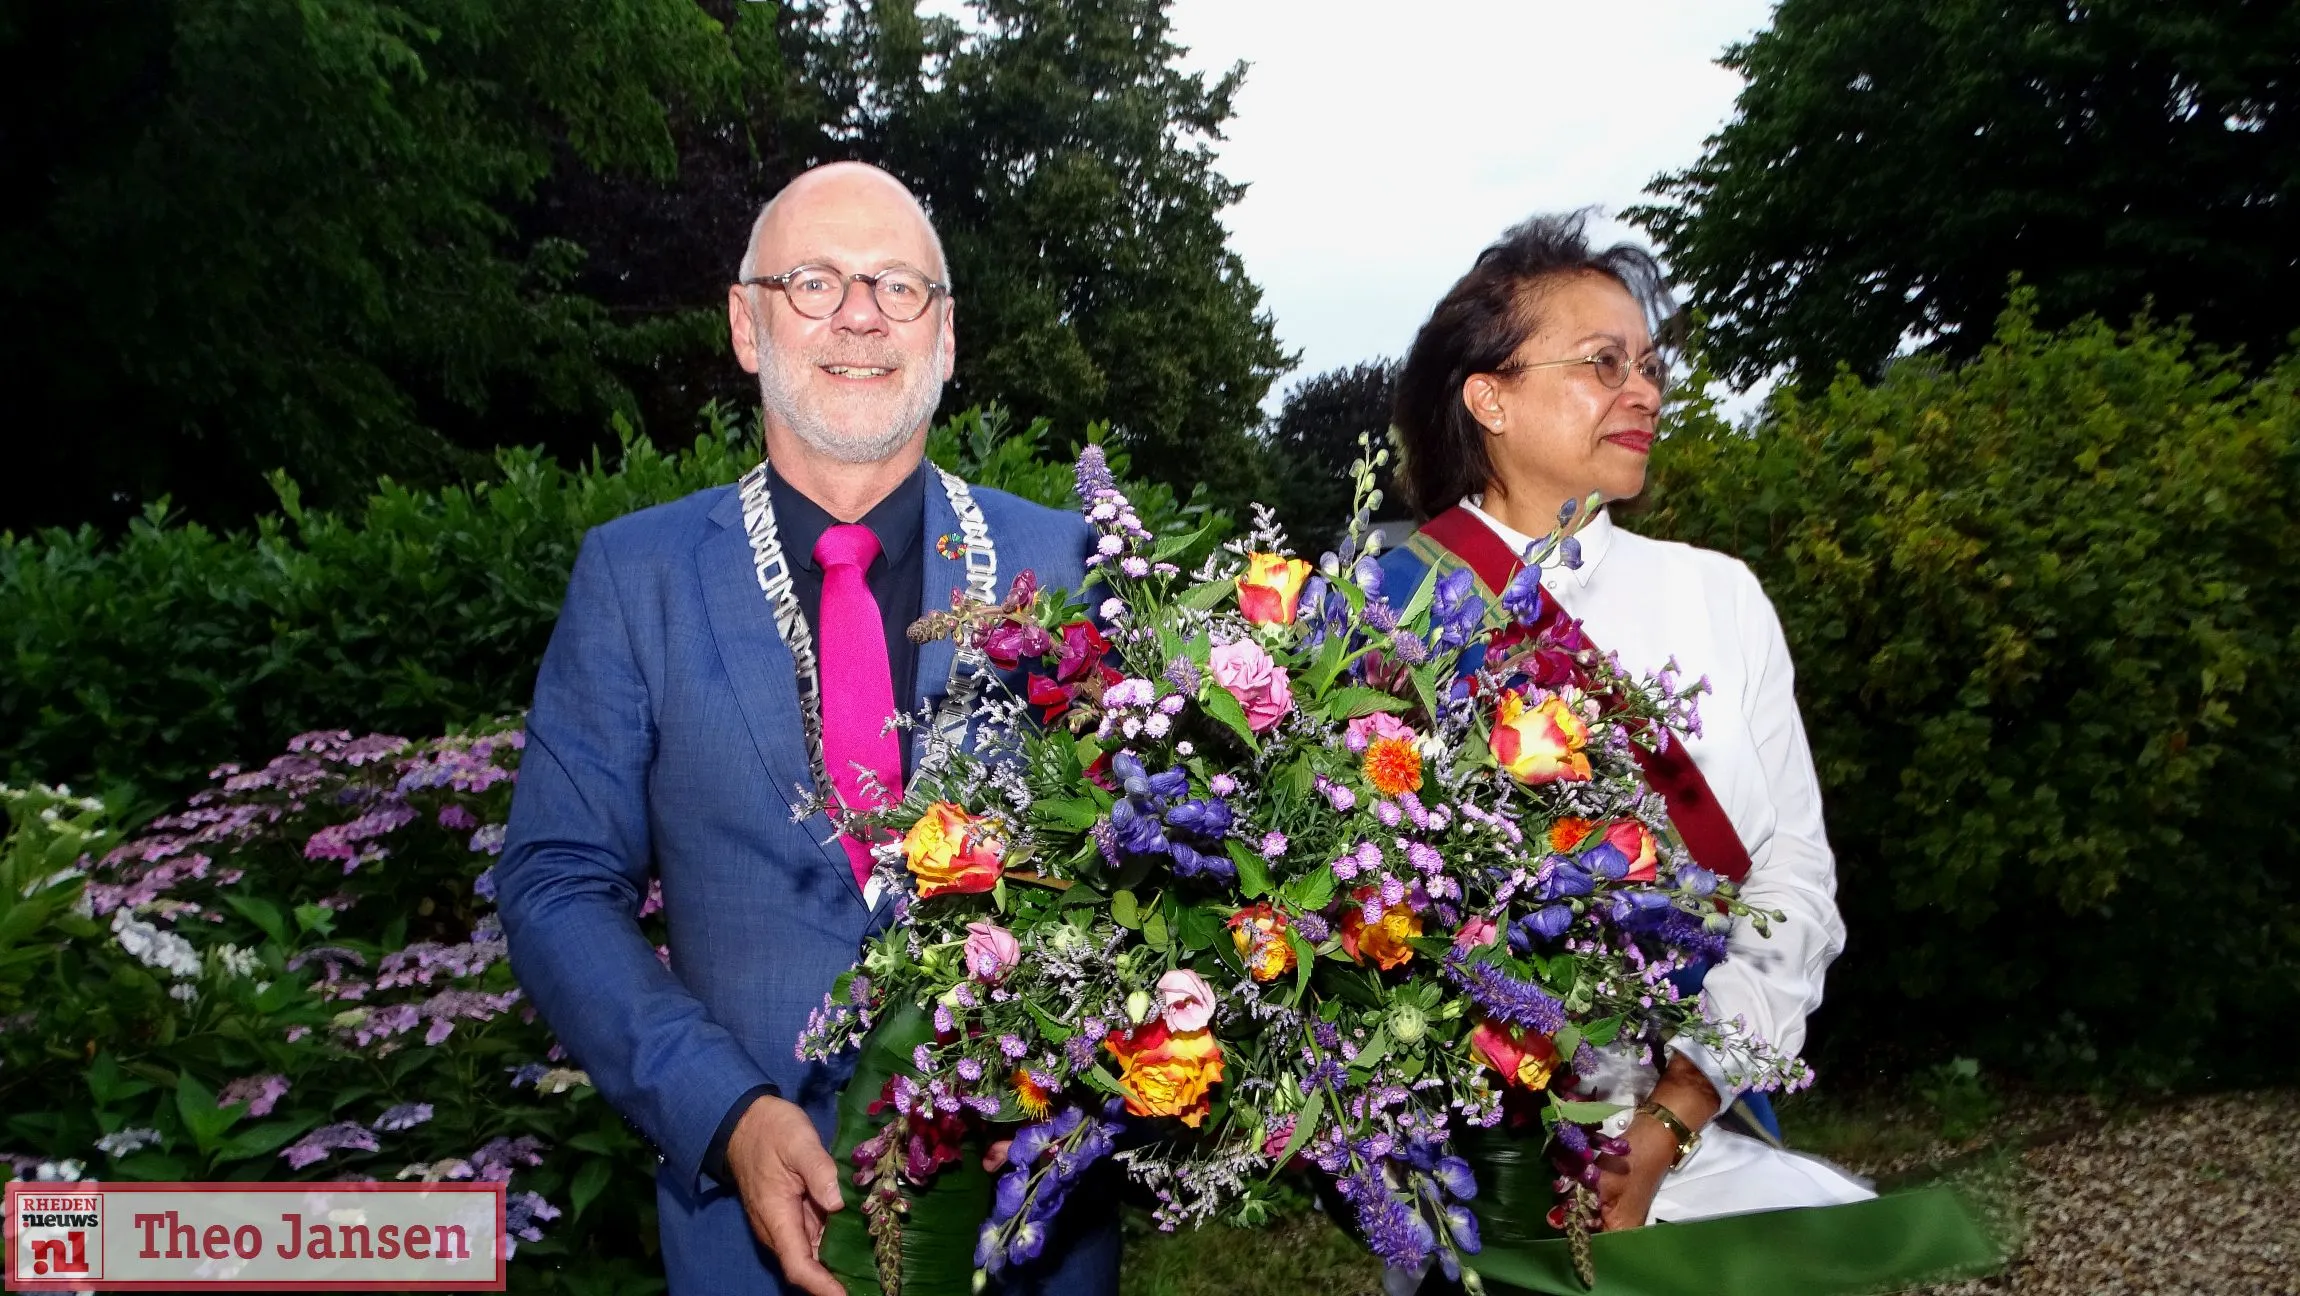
[[1693, 809]]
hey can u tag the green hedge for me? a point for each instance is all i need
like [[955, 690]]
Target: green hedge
[[134, 663], [2045, 610]]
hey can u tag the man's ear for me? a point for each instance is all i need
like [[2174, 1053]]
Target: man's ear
[[741, 329], [949, 347]]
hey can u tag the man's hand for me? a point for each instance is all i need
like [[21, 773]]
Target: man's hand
[[994, 1156], [1626, 1185], [789, 1185]]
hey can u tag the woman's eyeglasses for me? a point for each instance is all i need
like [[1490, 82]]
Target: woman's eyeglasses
[[1612, 365]]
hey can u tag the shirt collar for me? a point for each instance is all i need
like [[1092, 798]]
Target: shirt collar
[[1596, 537], [898, 521]]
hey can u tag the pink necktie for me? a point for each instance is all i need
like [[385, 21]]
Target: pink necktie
[[857, 683]]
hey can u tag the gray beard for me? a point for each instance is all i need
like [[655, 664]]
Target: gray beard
[[781, 401]]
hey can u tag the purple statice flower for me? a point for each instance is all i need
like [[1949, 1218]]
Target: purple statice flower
[[316, 1146], [1092, 476], [1394, 1231], [405, 1116], [260, 1092], [1506, 998]]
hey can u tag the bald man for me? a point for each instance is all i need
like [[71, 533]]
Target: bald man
[[717, 662]]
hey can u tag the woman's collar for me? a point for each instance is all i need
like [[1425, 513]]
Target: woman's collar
[[1595, 536]]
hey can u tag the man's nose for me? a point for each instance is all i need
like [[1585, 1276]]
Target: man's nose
[[859, 313]]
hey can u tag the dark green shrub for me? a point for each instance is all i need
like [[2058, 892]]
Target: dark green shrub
[[2045, 610], [138, 662]]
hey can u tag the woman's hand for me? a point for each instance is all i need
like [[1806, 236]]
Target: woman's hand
[[1626, 1184]]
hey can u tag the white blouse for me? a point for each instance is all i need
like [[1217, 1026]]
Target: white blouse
[[1648, 601]]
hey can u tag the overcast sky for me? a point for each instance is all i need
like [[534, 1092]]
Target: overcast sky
[[1385, 143]]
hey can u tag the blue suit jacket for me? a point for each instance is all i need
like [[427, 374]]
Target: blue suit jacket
[[665, 738]]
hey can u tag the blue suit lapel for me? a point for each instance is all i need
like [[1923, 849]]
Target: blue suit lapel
[[943, 574], [760, 668]]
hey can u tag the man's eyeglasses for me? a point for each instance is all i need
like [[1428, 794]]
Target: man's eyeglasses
[[818, 292], [1612, 365]]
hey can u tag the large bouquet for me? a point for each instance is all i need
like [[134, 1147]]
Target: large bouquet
[[1270, 866]]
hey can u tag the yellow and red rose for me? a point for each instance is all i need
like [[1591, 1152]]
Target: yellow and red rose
[[1259, 932], [1542, 743], [1524, 1057], [1270, 588], [951, 853], [1167, 1072], [1383, 941]]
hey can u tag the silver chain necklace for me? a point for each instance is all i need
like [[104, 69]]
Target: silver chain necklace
[[967, 666]]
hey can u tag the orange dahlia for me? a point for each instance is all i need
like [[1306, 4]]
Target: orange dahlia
[[1393, 766]]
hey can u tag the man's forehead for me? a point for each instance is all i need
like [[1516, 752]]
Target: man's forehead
[[857, 221]]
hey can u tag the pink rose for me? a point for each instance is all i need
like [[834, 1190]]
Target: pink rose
[[1377, 724], [1257, 681], [1189, 1000], [990, 950], [1477, 932]]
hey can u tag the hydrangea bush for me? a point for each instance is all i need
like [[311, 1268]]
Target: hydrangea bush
[[299, 975]]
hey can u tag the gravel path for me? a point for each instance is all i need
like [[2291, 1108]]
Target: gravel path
[[2192, 1198]]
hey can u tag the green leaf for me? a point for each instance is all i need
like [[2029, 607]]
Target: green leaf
[[1173, 545], [1305, 1125], [1330, 661], [1198, 926], [938, 1232], [1584, 1113], [1207, 597], [1048, 1025], [1601, 1032], [203, 1120], [1311, 891], [1070, 812], [315, 918], [1154, 931], [1253, 874], [1304, 956], [1424, 594], [262, 1139], [1223, 707], [1352, 702], [1126, 911], [588, 1181], [1376, 1047], [264, 914]]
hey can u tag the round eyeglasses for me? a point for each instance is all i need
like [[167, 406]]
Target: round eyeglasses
[[1612, 366], [819, 291]]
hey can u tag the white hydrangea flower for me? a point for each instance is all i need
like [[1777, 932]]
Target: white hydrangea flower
[[127, 1142], [152, 947]]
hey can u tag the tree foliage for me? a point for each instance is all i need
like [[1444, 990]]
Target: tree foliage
[[369, 237], [1315, 440], [2043, 610], [249, 236], [1892, 163]]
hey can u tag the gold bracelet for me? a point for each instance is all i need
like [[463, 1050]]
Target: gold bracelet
[[1688, 1138]]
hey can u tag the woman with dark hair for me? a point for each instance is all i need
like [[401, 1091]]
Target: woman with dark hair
[[1536, 384]]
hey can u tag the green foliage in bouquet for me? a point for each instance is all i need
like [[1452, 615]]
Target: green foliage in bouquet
[[133, 664], [2045, 610], [299, 976], [1272, 871]]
